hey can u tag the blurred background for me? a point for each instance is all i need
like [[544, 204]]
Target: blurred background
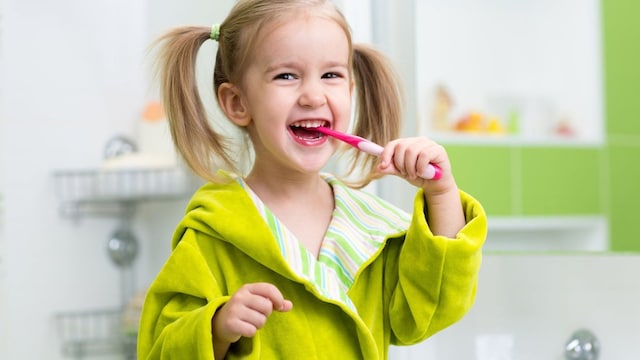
[[535, 101]]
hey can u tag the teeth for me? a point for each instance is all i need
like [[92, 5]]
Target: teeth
[[309, 123]]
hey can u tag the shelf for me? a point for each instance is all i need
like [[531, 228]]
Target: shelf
[[95, 332], [548, 233], [471, 139], [81, 191]]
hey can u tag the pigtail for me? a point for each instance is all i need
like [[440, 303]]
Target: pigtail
[[378, 106], [194, 139]]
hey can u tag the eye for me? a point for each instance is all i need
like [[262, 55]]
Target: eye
[[332, 75], [285, 76]]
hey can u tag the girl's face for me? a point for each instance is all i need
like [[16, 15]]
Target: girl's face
[[299, 77]]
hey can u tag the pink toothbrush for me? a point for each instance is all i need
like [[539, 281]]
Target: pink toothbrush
[[433, 172]]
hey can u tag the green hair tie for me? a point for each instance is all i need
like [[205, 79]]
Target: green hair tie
[[215, 32]]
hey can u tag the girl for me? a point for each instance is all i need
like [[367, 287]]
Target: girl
[[286, 262]]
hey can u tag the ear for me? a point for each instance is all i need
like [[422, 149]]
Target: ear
[[232, 104]]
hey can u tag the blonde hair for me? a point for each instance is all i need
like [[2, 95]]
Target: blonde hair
[[378, 111]]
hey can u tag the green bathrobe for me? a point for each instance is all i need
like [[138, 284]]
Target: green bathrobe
[[411, 286]]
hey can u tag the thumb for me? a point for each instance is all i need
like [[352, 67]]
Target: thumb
[[285, 306], [387, 168]]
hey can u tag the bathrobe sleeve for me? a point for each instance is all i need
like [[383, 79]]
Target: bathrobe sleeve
[[436, 276], [176, 319]]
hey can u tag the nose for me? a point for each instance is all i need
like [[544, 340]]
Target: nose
[[312, 95]]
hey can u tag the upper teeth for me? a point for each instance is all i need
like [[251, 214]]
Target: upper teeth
[[309, 123]]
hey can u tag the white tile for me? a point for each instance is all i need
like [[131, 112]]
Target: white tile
[[541, 300]]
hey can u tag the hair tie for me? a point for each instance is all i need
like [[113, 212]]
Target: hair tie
[[215, 32]]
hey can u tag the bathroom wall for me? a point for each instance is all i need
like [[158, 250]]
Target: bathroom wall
[[71, 79], [2, 241], [73, 75], [535, 302]]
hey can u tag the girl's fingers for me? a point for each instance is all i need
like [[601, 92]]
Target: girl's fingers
[[412, 159], [246, 328], [254, 318], [249, 309], [276, 300]]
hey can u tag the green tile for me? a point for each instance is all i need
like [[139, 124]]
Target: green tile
[[484, 172], [625, 197], [561, 181], [621, 36]]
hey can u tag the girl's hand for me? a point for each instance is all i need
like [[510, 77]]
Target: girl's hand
[[247, 311], [409, 157]]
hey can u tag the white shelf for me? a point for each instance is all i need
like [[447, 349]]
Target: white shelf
[[94, 185], [81, 190], [475, 139], [95, 332], [548, 233]]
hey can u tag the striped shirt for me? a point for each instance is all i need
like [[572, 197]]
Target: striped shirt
[[360, 224]]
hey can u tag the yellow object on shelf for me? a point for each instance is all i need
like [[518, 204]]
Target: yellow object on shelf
[[154, 136], [477, 122]]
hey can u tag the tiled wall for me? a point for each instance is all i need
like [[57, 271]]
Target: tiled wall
[[622, 82], [514, 180], [538, 301], [624, 165]]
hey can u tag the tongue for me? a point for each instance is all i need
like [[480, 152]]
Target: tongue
[[305, 133]]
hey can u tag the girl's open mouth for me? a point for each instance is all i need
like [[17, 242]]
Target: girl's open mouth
[[304, 131]]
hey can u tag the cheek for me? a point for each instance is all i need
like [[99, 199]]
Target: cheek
[[259, 104], [345, 101]]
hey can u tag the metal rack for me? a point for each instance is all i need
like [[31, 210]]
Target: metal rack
[[99, 192], [96, 332], [112, 193]]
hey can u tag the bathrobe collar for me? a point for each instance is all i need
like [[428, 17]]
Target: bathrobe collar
[[226, 211]]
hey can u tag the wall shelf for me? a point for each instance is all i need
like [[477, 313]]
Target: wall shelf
[[548, 233], [105, 192], [96, 332], [471, 139]]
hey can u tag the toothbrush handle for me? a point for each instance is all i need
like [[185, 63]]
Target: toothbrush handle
[[433, 172]]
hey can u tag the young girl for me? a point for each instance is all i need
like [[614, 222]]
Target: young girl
[[287, 262]]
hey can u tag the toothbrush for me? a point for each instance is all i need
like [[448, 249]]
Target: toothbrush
[[433, 171]]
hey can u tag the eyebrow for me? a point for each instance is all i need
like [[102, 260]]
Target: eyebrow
[[293, 64]]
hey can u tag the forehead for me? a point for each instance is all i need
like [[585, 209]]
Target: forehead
[[302, 35]]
